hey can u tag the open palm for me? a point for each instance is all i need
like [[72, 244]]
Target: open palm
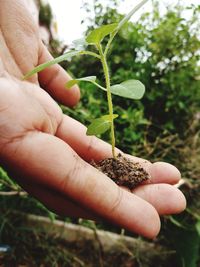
[[48, 152]]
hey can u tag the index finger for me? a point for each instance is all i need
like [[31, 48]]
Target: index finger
[[53, 80]]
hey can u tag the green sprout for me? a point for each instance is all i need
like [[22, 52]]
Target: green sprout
[[132, 89]]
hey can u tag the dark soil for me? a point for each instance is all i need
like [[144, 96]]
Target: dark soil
[[123, 171]]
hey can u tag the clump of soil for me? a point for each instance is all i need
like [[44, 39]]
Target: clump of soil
[[123, 171]]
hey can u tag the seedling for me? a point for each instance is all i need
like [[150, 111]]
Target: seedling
[[132, 89]]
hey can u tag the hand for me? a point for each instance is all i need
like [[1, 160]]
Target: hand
[[48, 152]]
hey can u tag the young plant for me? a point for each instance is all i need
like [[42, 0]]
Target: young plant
[[132, 89]]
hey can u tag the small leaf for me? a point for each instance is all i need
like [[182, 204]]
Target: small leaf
[[100, 125], [132, 89], [97, 35], [45, 65], [91, 79], [70, 83]]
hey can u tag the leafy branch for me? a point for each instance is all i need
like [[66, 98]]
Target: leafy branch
[[132, 89]]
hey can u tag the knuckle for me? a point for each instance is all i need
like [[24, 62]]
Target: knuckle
[[117, 200], [71, 179]]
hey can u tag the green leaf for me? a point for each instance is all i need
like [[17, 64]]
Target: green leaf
[[91, 79], [132, 89], [45, 65], [100, 125], [187, 244], [185, 241], [97, 35]]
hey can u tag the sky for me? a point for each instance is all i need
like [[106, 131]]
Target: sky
[[68, 15]]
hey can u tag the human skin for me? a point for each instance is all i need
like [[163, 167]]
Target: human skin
[[48, 152]]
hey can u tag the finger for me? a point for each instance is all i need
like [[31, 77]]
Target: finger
[[160, 172], [166, 199], [54, 201], [163, 172], [92, 148], [51, 162], [53, 80]]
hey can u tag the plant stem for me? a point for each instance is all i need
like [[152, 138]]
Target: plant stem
[[109, 96], [89, 53], [122, 22]]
